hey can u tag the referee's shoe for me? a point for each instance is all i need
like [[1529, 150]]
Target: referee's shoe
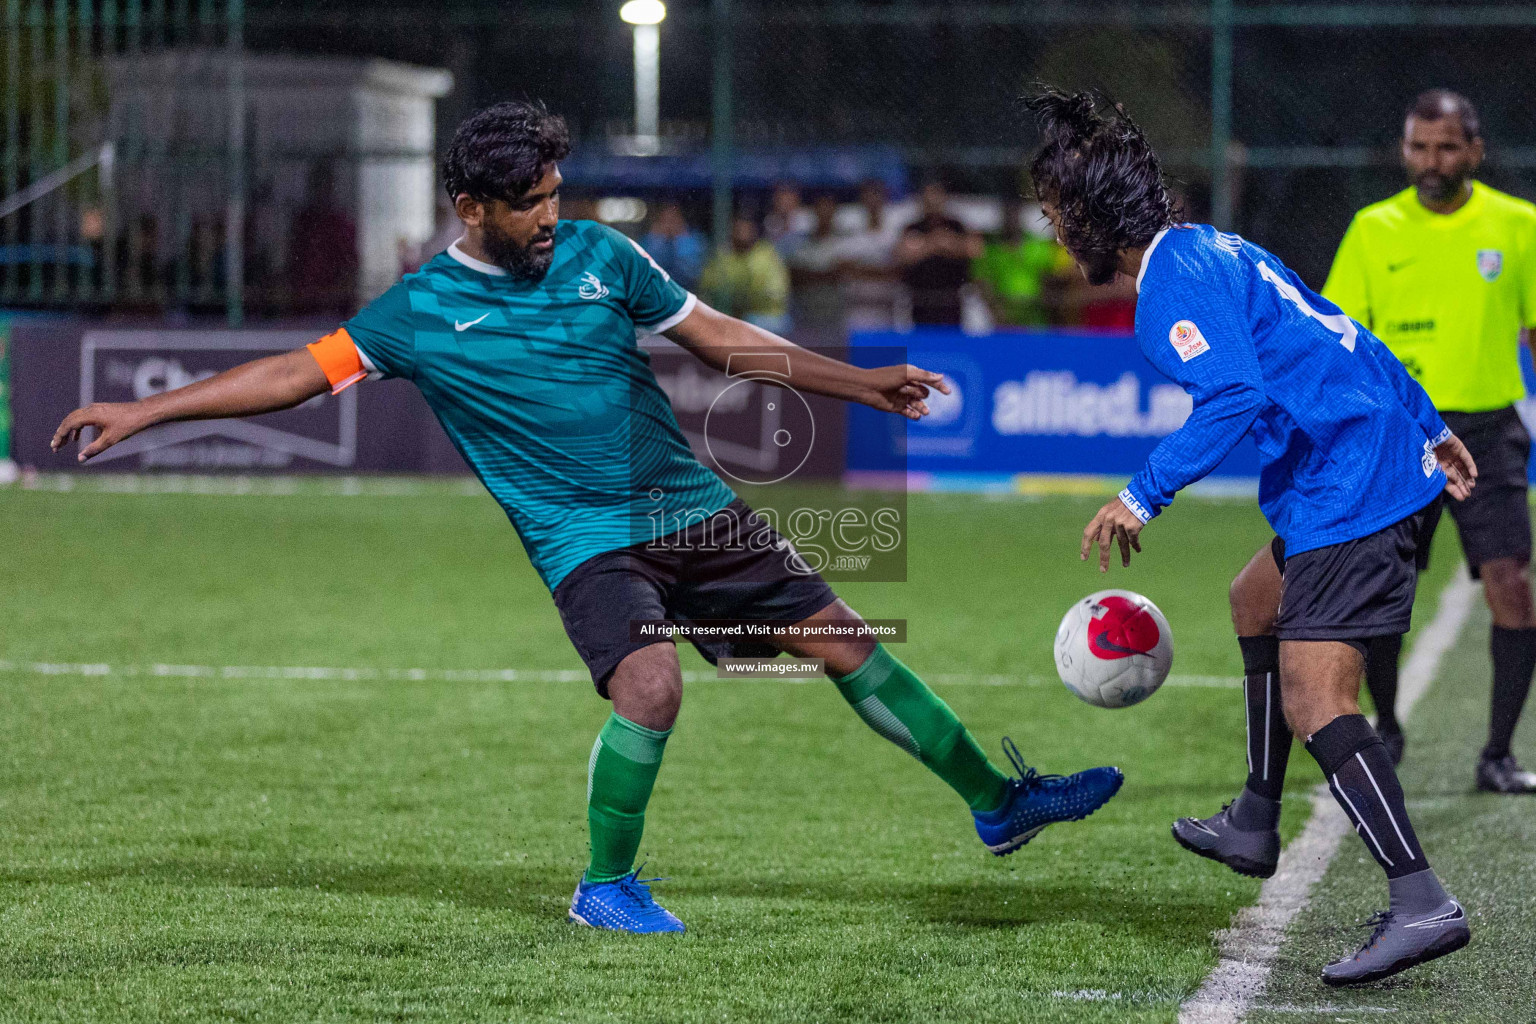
[[1504, 775]]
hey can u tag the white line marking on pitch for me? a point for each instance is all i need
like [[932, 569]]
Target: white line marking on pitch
[[1249, 946], [479, 675]]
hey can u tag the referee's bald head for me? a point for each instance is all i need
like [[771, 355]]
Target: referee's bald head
[[1438, 104]]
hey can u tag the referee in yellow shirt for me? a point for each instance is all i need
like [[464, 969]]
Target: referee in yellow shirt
[[1444, 272]]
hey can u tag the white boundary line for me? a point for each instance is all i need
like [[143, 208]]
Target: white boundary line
[[1250, 945], [321, 673]]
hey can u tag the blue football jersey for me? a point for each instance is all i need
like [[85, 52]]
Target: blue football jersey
[[1345, 436]]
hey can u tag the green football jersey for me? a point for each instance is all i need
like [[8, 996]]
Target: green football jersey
[[544, 390]]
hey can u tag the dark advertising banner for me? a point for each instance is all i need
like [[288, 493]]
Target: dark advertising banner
[[744, 425], [1024, 403], [749, 431], [379, 426]]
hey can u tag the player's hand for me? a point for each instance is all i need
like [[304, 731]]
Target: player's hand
[[1460, 470], [114, 422], [1113, 523], [901, 389]]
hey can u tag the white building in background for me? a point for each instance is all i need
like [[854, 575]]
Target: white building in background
[[370, 122]]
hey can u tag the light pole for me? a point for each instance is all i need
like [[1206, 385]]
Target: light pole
[[646, 16]]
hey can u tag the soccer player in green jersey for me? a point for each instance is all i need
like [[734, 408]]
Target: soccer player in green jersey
[[522, 337]]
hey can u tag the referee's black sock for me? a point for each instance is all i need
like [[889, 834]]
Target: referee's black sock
[[1514, 659], [1381, 658], [1269, 738]]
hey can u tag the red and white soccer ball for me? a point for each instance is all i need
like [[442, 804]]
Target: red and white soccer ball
[[1114, 648]]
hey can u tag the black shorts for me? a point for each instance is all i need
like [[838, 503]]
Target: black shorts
[[731, 566], [1356, 590], [1495, 522]]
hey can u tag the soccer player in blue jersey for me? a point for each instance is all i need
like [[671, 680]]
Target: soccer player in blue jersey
[[522, 337], [1353, 457]]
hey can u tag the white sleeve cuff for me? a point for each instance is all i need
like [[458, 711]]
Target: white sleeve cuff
[[671, 321], [372, 372], [1440, 438], [1137, 508]]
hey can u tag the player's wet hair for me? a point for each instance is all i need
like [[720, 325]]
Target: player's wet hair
[[1096, 168], [501, 152], [1434, 104]]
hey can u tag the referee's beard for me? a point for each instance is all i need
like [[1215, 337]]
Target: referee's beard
[[1440, 188], [523, 262]]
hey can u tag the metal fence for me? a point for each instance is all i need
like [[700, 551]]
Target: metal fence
[[71, 237], [1276, 119]]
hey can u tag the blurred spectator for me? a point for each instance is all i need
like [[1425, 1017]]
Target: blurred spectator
[[138, 260], [934, 256], [815, 273], [749, 279], [677, 247], [870, 281], [265, 238], [1107, 307], [1022, 275], [787, 222], [322, 249], [578, 208]]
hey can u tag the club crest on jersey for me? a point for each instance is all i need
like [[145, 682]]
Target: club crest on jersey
[[1187, 340], [1490, 263], [591, 288]]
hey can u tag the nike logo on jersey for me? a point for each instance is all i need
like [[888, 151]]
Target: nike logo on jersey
[[464, 327], [1393, 268]]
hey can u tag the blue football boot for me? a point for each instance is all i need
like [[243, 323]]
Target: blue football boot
[[623, 905], [1035, 801]]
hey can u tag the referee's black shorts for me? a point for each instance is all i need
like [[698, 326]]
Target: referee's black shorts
[[1495, 522]]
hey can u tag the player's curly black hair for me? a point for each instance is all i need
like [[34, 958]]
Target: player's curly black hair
[[502, 151], [1099, 173]]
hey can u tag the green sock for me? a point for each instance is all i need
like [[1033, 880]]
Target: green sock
[[899, 706], [620, 774]]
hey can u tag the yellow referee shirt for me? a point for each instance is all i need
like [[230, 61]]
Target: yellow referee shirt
[[1448, 293]]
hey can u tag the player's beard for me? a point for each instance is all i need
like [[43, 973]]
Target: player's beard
[[1100, 268], [1440, 188], [523, 262]]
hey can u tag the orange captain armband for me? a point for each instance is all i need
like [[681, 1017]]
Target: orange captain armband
[[339, 359]]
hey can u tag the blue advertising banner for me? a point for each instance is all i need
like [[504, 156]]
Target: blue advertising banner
[[1026, 403]]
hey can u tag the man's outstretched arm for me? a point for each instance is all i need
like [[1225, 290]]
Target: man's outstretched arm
[[262, 385], [715, 338]]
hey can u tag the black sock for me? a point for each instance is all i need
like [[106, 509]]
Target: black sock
[[1514, 658], [1360, 774], [1269, 738], [1381, 657]]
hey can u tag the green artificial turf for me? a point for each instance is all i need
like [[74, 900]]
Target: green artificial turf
[[194, 847]]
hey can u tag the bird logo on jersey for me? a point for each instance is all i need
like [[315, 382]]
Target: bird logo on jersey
[[1187, 340], [1490, 263], [1121, 628], [591, 288]]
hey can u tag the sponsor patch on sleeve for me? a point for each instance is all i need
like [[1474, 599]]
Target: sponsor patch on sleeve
[[1187, 340]]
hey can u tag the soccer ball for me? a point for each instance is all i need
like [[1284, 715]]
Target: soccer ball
[[1114, 648]]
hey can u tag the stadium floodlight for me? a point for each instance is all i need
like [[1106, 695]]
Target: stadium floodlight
[[645, 16], [643, 12]]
